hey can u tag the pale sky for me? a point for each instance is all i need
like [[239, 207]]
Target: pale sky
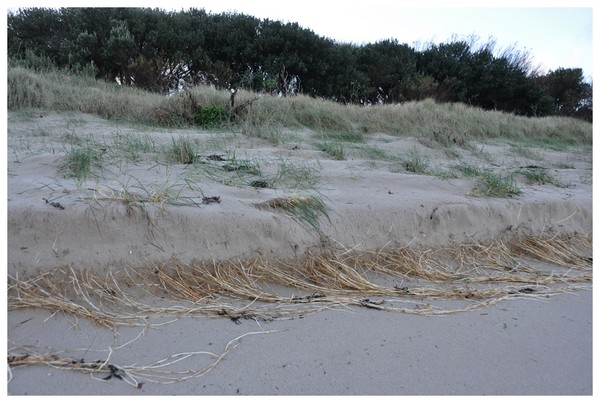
[[555, 33]]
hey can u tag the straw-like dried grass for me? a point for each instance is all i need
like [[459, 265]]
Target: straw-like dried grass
[[571, 251], [465, 277]]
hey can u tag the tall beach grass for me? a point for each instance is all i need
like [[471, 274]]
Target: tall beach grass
[[64, 91]]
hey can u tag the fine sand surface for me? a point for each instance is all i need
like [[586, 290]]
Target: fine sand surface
[[139, 209]]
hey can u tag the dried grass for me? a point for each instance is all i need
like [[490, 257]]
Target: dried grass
[[463, 278], [474, 274], [573, 251]]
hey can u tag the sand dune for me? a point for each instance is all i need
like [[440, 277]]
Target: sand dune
[[244, 199]]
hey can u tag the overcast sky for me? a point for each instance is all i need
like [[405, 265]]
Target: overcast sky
[[555, 33]]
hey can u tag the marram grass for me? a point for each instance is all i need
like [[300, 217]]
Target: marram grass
[[266, 115]]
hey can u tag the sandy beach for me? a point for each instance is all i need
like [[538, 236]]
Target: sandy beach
[[522, 327]]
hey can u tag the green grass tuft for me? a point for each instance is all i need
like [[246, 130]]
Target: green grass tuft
[[540, 176], [491, 184], [309, 210], [182, 150], [333, 149], [468, 170], [80, 161], [414, 163]]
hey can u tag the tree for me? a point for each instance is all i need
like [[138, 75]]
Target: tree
[[119, 49], [343, 80], [571, 95], [160, 51], [386, 63], [447, 63], [291, 54], [35, 28]]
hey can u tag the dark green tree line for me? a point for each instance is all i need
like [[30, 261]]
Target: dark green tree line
[[160, 51]]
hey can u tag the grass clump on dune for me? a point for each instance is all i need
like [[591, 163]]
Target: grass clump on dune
[[333, 149], [80, 161], [182, 150], [540, 176], [491, 184], [309, 209], [468, 170]]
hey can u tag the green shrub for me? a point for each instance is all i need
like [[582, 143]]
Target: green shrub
[[212, 116]]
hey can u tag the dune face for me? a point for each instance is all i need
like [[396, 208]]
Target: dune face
[[139, 205], [304, 227]]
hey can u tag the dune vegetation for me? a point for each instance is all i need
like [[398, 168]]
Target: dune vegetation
[[446, 122]]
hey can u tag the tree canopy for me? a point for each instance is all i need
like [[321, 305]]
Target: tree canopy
[[162, 51]]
